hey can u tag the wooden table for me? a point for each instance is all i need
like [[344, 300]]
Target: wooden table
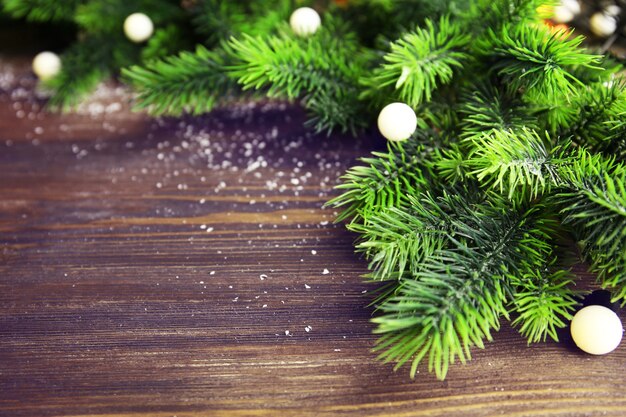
[[187, 268]]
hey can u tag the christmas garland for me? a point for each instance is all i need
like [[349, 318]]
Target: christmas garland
[[506, 139]]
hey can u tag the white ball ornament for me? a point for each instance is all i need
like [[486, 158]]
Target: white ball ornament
[[138, 27], [572, 5], [305, 21], [397, 122], [596, 330], [602, 25], [612, 10], [46, 65], [562, 14]]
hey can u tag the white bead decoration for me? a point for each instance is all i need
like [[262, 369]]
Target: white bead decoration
[[572, 5], [397, 122], [596, 330], [305, 21], [612, 10], [562, 14], [566, 11], [46, 65], [138, 27], [602, 25]]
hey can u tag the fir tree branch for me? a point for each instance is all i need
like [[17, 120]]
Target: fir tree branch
[[331, 109], [593, 202], [599, 124], [459, 293], [217, 20], [402, 238], [597, 201], [385, 179], [611, 272], [452, 165], [537, 60], [189, 82], [440, 316], [164, 42], [606, 71], [552, 113], [107, 16], [292, 67], [496, 14], [41, 10], [615, 141], [513, 162], [544, 301], [420, 61], [323, 70], [488, 107], [393, 17]]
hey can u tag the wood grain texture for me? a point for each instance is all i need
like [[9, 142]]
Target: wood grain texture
[[154, 267]]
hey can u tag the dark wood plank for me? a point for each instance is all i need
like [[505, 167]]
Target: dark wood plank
[[154, 268]]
